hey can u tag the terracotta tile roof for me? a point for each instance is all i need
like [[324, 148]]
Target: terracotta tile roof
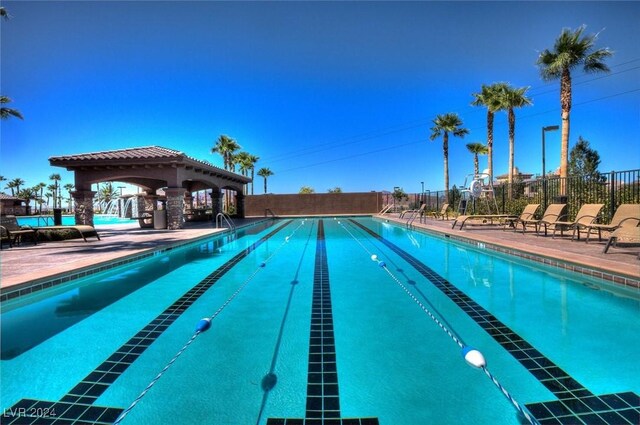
[[5, 197], [147, 152]]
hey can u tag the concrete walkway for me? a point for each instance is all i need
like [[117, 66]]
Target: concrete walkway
[[29, 262]]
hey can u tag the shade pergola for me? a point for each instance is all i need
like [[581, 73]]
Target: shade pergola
[[151, 168]]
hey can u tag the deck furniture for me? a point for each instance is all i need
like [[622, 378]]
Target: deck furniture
[[85, 231], [587, 215], [553, 213], [13, 233], [625, 235], [444, 212], [626, 215], [526, 217]]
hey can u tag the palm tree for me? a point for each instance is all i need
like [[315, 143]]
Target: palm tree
[[264, 173], [489, 97], [56, 189], [243, 159], [69, 187], [570, 50], [443, 125], [15, 184], [3, 13], [253, 159], [6, 113], [226, 147], [511, 98], [477, 149], [27, 194], [40, 188]]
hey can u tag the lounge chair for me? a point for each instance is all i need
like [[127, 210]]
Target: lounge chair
[[444, 212], [625, 235], [553, 213], [85, 231], [527, 216], [587, 215], [486, 218], [626, 215], [12, 232]]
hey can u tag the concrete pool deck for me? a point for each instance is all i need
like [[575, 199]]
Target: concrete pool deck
[[27, 263]]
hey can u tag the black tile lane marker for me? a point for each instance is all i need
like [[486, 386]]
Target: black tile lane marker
[[575, 404], [323, 398], [76, 407]]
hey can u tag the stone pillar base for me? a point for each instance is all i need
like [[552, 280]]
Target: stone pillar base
[[175, 207], [83, 200]]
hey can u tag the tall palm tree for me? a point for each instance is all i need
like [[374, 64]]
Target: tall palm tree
[[570, 50], [243, 159], [69, 187], [510, 98], [226, 147], [56, 190], [3, 13], [15, 184], [489, 97], [443, 125], [39, 188], [3, 179], [6, 113], [253, 159], [476, 149], [27, 194], [265, 173]]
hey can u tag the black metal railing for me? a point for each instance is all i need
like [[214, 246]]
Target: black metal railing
[[611, 189]]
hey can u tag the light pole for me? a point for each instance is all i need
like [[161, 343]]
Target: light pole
[[422, 193], [544, 174], [395, 190]]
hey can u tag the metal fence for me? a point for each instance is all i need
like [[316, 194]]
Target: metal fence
[[611, 189]]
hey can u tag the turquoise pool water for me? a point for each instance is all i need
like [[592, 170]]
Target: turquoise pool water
[[69, 220], [256, 363]]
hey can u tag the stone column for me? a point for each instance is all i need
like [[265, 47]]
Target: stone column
[[175, 207], [240, 205], [83, 200], [216, 202]]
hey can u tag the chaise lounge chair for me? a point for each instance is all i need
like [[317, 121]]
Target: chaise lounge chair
[[586, 216], [11, 231], [626, 215], [625, 235], [527, 216], [85, 231], [553, 213], [444, 212]]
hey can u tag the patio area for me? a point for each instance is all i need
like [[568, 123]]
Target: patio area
[[27, 262]]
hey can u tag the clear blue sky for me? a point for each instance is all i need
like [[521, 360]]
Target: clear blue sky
[[325, 93]]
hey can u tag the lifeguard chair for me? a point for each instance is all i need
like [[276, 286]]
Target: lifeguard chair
[[478, 187]]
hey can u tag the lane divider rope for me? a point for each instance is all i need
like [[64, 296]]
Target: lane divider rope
[[203, 325], [472, 356]]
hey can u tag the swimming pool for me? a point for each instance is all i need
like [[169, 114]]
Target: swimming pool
[[306, 325], [69, 220]]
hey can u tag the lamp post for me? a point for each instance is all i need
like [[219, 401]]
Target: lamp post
[[395, 190], [544, 174], [422, 193]]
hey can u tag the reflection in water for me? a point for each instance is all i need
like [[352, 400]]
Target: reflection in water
[[27, 326]]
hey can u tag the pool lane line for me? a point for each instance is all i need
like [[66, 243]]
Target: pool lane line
[[574, 400], [473, 357], [270, 379], [203, 326], [323, 397], [76, 405]]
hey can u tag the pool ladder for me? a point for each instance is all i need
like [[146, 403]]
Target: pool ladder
[[225, 217]]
